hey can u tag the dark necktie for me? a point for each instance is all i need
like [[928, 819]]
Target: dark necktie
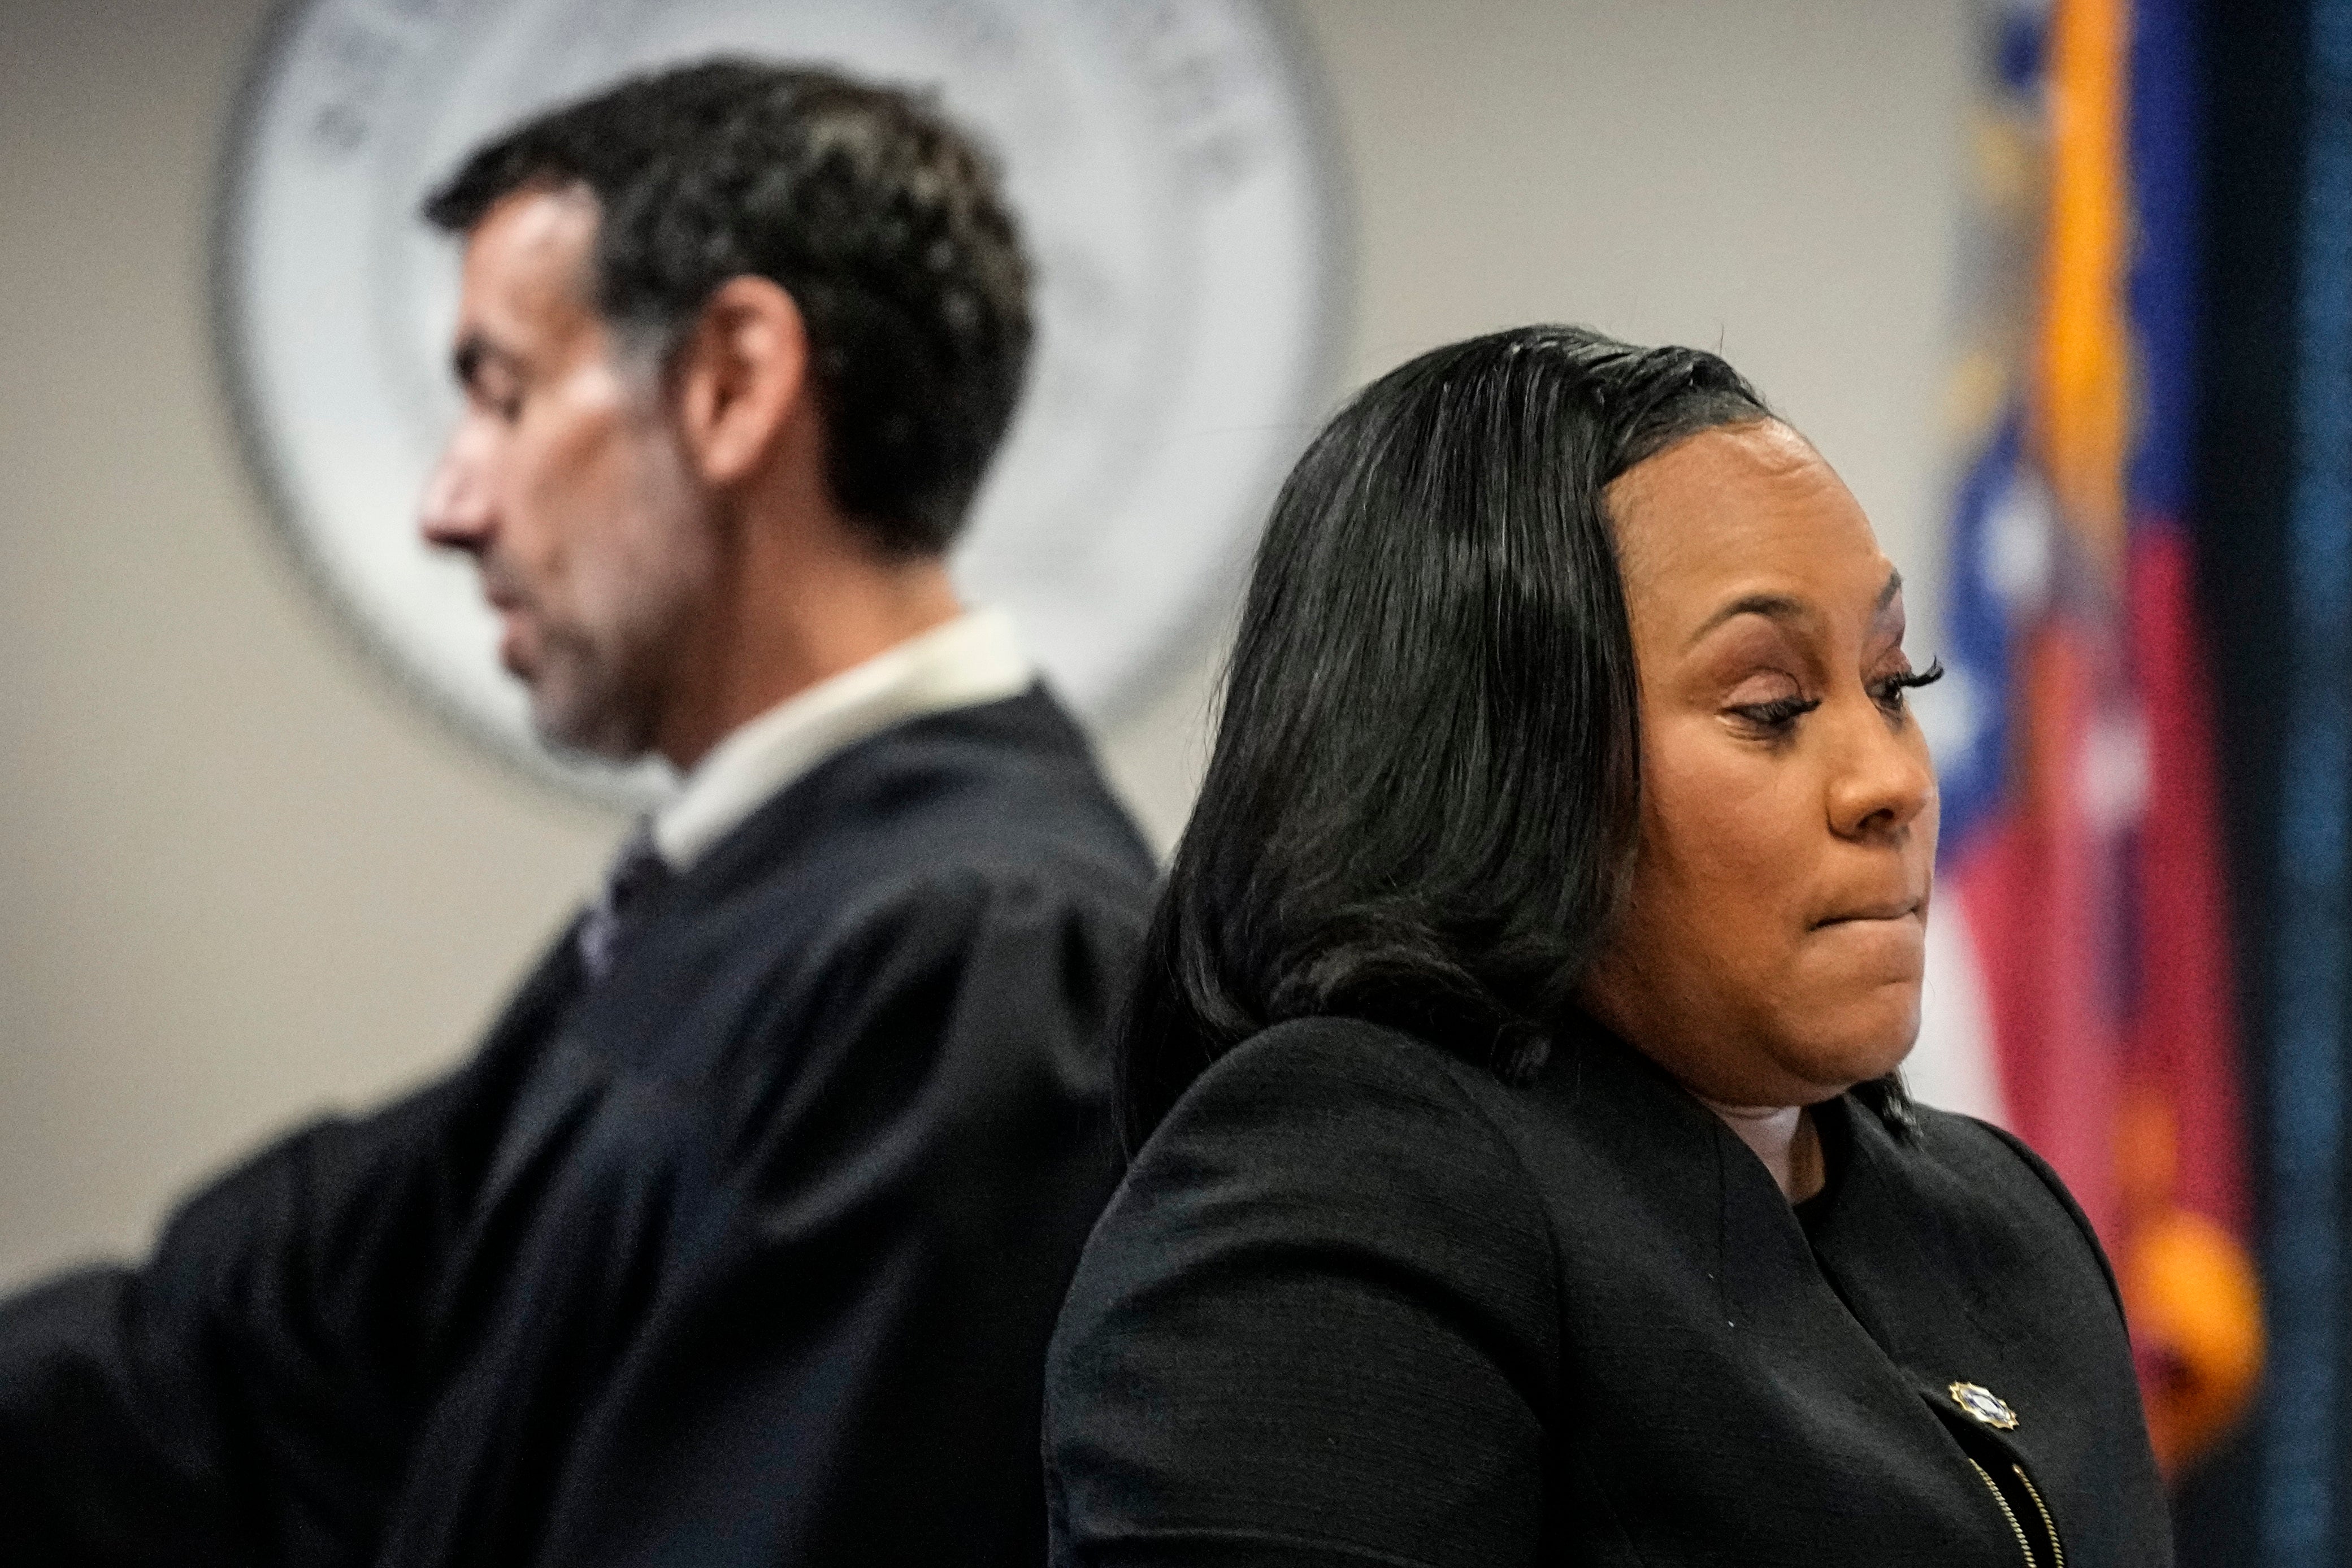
[[637, 873], [558, 1072]]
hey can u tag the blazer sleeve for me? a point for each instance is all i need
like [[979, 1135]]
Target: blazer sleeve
[[1318, 1324], [242, 1393], [845, 1367]]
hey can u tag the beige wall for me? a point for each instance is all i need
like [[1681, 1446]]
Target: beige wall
[[240, 878]]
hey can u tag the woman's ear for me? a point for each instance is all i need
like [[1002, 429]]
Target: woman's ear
[[741, 378]]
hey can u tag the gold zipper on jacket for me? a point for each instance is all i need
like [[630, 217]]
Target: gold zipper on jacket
[[2048, 1524], [2023, 1545]]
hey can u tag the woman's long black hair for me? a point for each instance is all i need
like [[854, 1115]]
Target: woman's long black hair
[[1421, 809]]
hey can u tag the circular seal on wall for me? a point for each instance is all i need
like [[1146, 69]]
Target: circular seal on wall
[[1180, 202]]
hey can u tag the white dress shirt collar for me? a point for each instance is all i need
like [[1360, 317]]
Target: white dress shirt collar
[[975, 658]]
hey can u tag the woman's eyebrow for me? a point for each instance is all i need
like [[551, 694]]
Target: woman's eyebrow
[[1888, 613], [1784, 607], [1771, 606]]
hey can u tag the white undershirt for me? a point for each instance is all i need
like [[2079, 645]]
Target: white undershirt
[[975, 658]]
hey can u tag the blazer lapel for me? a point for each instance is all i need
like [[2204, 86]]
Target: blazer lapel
[[1903, 1261]]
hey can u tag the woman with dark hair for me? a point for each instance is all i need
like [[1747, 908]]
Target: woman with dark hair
[[1521, 1173]]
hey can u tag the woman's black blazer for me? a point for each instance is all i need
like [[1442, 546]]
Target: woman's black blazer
[[1361, 1302]]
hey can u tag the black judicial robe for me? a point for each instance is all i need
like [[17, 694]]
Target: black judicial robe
[[1358, 1302], [748, 1254]]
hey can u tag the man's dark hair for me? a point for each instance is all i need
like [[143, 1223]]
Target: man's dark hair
[[1422, 804], [883, 221]]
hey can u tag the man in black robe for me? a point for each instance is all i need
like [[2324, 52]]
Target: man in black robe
[[741, 1239]]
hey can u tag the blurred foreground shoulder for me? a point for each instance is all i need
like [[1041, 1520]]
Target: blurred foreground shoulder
[[1319, 1321]]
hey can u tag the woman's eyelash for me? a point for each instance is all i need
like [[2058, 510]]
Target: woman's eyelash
[[1891, 687], [1911, 680], [1783, 712], [1778, 714]]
